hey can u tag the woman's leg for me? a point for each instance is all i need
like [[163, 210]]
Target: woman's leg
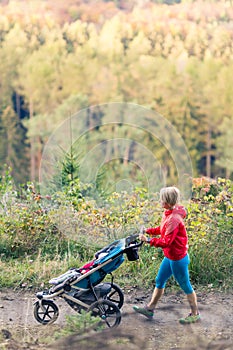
[[157, 293], [163, 275], [181, 274], [192, 299]]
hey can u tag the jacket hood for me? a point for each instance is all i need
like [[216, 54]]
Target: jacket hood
[[179, 209]]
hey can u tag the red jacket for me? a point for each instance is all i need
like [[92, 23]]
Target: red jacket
[[173, 236]]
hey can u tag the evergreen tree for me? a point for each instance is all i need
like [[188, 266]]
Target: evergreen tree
[[225, 146], [14, 148]]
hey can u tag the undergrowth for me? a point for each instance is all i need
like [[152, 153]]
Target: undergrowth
[[41, 238]]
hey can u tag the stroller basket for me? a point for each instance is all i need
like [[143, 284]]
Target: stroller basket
[[132, 254], [88, 297]]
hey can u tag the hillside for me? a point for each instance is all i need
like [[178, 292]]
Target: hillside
[[60, 57]]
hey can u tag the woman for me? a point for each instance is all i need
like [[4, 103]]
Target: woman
[[174, 242]]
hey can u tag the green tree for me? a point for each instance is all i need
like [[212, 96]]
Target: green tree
[[40, 84], [14, 144], [225, 144], [224, 107], [204, 100], [16, 149]]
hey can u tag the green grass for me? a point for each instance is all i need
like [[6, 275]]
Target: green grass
[[211, 263], [33, 248], [31, 273]]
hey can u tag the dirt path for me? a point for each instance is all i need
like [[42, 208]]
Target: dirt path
[[19, 330]]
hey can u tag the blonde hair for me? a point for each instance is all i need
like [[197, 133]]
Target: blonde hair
[[170, 195]]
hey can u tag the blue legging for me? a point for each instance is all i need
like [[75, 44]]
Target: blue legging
[[179, 269]]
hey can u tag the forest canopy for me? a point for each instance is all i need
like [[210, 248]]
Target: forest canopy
[[173, 57]]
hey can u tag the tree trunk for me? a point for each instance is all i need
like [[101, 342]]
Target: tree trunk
[[228, 173], [32, 143], [208, 154], [18, 107]]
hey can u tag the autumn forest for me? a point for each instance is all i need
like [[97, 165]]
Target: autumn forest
[[175, 58]]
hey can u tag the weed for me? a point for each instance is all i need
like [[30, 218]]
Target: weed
[[79, 323]]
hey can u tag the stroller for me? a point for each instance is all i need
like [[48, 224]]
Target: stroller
[[82, 288]]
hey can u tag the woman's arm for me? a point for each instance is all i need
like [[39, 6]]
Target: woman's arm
[[153, 231], [166, 240]]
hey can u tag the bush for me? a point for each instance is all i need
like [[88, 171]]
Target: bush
[[57, 229]]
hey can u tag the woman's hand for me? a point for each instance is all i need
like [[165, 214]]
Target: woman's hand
[[142, 237], [142, 230]]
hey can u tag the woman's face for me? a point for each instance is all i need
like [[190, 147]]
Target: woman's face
[[166, 205]]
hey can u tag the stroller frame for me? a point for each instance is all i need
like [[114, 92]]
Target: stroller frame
[[80, 285]]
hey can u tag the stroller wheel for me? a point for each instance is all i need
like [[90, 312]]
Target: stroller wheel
[[47, 312], [108, 312], [116, 295]]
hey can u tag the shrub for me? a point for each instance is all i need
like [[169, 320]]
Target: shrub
[[59, 228]]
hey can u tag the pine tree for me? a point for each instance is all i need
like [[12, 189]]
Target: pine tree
[[14, 147]]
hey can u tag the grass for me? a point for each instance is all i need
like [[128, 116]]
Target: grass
[[35, 272], [210, 264], [212, 261], [79, 323]]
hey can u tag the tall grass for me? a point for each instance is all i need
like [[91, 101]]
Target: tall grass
[[40, 239], [214, 267], [212, 261], [32, 273]]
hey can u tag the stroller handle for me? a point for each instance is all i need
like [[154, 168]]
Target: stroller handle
[[131, 239]]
